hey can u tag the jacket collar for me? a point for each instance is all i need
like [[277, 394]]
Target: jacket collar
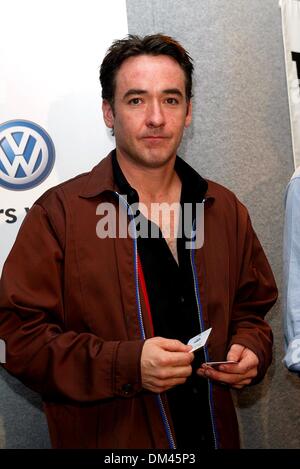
[[102, 179]]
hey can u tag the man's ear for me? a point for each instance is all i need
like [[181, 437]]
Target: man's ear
[[188, 118], [108, 114]]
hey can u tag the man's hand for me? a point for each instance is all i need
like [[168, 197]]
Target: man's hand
[[165, 363], [236, 376]]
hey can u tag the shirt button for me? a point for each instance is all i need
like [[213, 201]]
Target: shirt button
[[182, 299], [127, 388]]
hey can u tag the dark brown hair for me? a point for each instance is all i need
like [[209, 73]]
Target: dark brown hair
[[132, 45]]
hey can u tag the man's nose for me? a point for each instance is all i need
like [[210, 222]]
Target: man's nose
[[155, 115]]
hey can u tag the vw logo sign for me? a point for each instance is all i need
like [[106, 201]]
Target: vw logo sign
[[27, 155]]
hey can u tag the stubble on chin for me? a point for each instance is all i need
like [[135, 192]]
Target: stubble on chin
[[153, 161]]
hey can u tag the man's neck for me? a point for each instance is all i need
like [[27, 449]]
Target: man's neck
[[152, 184]]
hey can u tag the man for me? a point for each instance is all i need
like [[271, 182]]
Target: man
[[99, 324], [291, 266]]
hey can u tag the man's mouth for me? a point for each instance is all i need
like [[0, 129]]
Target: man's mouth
[[155, 137]]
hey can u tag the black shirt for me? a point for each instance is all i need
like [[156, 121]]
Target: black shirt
[[170, 288]]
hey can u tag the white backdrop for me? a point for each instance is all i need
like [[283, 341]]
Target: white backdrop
[[50, 53], [291, 38]]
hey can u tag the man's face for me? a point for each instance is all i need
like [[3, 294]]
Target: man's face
[[150, 110]]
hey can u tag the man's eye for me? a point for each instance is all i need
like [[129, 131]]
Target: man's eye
[[172, 101], [135, 101]]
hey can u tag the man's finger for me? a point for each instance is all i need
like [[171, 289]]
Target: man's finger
[[173, 372], [238, 368], [228, 378], [161, 386], [173, 345], [175, 359], [235, 352]]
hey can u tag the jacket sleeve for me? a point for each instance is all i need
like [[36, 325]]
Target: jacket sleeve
[[291, 278], [255, 294], [55, 362]]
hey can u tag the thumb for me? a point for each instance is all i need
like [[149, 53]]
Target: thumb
[[173, 345], [235, 352]]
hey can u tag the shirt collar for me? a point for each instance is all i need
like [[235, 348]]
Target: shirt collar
[[120, 180], [102, 178]]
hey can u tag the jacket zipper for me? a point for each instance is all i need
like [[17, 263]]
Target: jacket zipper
[[201, 323], [142, 329]]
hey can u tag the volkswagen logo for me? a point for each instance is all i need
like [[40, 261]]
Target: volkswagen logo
[[27, 155]]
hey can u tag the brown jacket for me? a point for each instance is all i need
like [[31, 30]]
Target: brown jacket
[[69, 313]]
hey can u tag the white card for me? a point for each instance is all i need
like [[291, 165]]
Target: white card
[[199, 340], [227, 362]]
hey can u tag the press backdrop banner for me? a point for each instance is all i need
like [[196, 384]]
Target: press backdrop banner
[[51, 126], [290, 10]]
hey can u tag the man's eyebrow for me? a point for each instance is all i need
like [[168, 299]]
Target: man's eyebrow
[[173, 91], [134, 91], [138, 91]]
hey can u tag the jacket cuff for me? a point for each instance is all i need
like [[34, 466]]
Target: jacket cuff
[[127, 373]]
